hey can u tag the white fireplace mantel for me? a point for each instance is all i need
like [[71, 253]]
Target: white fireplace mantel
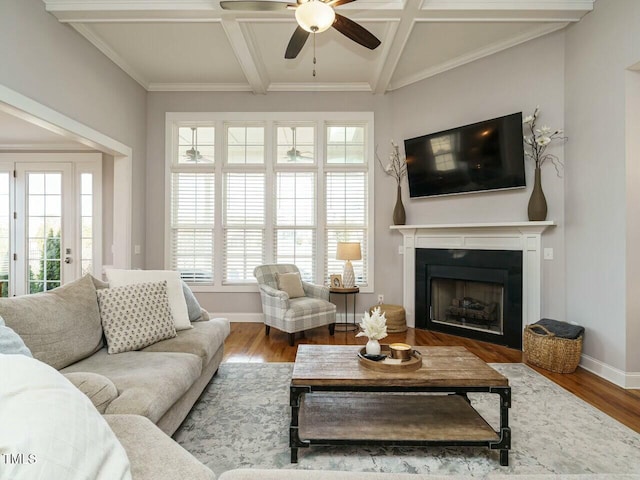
[[523, 236]]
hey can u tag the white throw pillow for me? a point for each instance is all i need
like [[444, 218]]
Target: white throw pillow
[[177, 303], [135, 316], [50, 429]]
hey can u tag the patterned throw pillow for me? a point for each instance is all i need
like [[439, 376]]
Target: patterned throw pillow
[[135, 316]]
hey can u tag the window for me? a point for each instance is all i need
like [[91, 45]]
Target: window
[[254, 188]]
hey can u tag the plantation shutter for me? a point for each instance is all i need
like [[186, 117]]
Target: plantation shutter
[[244, 226], [295, 232], [192, 225], [346, 220]]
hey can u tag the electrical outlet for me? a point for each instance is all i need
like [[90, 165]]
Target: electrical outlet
[[137, 250], [380, 299]]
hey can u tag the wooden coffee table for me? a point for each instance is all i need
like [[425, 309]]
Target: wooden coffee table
[[336, 401]]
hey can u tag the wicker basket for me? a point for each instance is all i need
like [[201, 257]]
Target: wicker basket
[[395, 316], [543, 349]]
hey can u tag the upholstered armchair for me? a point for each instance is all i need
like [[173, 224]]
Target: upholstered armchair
[[293, 315]]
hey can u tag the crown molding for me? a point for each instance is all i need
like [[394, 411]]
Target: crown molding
[[320, 87], [199, 87]]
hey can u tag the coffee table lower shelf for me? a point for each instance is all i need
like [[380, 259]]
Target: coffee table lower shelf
[[357, 418]]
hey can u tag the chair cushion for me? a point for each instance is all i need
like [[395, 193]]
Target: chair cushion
[[290, 283], [305, 306], [149, 383], [60, 326], [266, 274], [135, 316]]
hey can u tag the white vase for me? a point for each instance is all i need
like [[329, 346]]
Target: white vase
[[373, 347]]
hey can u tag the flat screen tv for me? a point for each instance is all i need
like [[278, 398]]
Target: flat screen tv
[[482, 156]]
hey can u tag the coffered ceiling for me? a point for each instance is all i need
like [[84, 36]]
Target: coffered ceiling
[[194, 45]]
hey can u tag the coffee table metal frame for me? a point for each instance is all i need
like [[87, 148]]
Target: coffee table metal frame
[[504, 433]]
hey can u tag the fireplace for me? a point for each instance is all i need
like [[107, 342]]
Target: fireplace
[[471, 293]]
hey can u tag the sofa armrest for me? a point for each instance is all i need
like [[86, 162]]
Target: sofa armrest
[[316, 291], [100, 390]]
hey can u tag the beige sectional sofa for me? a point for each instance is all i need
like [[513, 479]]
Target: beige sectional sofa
[[146, 394]]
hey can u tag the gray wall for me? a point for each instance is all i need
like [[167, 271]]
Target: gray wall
[[600, 222], [497, 85], [160, 103], [54, 65]]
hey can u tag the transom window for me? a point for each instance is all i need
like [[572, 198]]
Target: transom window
[[250, 189]]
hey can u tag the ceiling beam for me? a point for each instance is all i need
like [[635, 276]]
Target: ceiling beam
[[246, 55], [394, 51]]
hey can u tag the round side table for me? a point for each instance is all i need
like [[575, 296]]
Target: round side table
[[346, 326]]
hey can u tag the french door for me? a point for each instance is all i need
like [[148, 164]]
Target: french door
[[48, 217]]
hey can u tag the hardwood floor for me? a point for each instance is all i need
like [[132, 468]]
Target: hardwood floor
[[248, 343]]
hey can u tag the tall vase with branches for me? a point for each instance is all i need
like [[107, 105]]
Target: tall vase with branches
[[536, 141], [396, 168]]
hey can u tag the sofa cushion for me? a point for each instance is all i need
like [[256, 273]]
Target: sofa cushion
[[60, 326], [153, 454], [149, 383], [135, 316], [57, 429], [177, 303], [203, 340], [100, 390], [11, 343]]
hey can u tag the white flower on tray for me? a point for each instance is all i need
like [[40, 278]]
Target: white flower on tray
[[374, 325]]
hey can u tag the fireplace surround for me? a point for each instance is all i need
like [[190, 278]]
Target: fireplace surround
[[471, 293], [524, 237]]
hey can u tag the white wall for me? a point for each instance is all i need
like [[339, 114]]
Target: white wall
[[599, 49], [511, 81], [54, 65], [161, 103]]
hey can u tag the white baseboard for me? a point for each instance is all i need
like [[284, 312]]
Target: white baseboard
[[240, 317], [614, 375]]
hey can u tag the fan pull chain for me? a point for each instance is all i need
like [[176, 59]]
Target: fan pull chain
[[314, 54]]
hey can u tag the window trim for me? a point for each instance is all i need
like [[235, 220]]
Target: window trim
[[270, 120]]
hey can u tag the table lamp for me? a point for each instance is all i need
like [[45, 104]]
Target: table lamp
[[348, 251]]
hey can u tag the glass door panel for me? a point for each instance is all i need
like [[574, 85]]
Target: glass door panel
[[44, 194]]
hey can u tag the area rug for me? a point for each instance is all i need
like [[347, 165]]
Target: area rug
[[242, 420]]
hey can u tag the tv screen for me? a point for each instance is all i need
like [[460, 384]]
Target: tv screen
[[482, 156]]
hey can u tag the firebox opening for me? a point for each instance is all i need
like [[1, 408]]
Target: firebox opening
[[468, 304]]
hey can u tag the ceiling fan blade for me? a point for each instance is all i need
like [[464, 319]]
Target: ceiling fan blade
[[296, 43], [337, 3], [355, 32], [253, 5]]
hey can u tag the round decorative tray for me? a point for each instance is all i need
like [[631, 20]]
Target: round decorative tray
[[391, 364]]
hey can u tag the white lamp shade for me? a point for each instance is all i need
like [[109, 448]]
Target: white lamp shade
[[348, 251], [315, 16]]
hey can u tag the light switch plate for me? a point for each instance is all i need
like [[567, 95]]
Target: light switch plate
[[548, 253]]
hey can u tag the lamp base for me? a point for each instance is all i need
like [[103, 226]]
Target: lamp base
[[348, 276]]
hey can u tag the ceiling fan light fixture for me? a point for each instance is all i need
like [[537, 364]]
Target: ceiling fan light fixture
[[315, 16]]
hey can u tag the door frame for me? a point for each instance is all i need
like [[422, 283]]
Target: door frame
[[25, 108], [81, 162]]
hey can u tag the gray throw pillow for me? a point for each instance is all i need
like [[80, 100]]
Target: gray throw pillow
[[135, 316], [193, 307], [11, 343]]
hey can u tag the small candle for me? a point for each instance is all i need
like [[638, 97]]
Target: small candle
[[400, 350]]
